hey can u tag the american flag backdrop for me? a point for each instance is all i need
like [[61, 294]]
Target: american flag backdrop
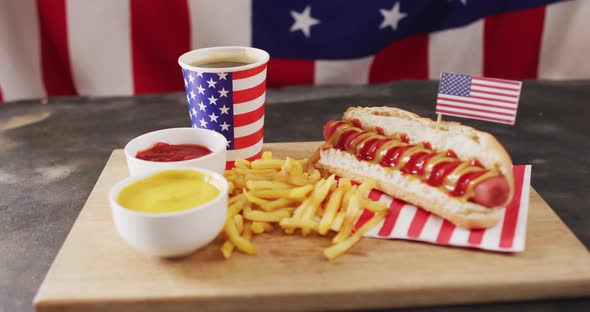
[[478, 97], [231, 104], [126, 47]]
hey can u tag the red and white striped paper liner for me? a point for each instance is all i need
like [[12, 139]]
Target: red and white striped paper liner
[[405, 221]]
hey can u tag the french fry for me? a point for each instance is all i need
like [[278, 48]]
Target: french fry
[[230, 187], [261, 227], [242, 163], [365, 187], [374, 206], [353, 211], [236, 207], [267, 164], [235, 198], [267, 155], [272, 205], [338, 249], [308, 225], [239, 221], [240, 242], [294, 193], [330, 211], [227, 249], [262, 216], [264, 185]]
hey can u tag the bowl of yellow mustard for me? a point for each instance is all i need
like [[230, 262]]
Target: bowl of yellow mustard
[[170, 213]]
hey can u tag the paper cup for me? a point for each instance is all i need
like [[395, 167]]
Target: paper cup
[[228, 99]]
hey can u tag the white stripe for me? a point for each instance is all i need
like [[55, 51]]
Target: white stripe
[[478, 88], [565, 46], [100, 46], [467, 111], [20, 55], [459, 237], [250, 82], [482, 101], [495, 97], [518, 243], [496, 84], [431, 228], [245, 152], [491, 236], [404, 219], [249, 106], [249, 129], [458, 50], [218, 23], [500, 110], [352, 71]]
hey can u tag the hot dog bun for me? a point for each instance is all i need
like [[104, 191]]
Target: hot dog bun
[[467, 142]]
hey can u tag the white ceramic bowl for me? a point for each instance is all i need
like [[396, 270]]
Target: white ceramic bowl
[[172, 234], [211, 139]]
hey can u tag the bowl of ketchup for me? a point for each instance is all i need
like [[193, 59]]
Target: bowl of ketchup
[[174, 148]]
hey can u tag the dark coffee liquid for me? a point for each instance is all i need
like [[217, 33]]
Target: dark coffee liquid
[[222, 64], [224, 61]]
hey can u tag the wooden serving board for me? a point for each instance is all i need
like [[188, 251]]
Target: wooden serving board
[[96, 271]]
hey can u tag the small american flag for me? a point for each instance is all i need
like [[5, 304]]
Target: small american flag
[[478, 97], [231, 104]]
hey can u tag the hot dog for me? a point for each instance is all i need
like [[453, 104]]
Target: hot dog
[[459, 173]]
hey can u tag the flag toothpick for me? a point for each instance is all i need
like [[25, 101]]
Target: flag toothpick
[[438, 120]]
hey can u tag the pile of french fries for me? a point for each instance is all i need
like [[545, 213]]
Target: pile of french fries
[[269, 192]]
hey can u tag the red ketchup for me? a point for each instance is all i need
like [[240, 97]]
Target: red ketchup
[[165, 152]]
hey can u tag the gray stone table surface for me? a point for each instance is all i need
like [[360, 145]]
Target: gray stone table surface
[[52, 152]]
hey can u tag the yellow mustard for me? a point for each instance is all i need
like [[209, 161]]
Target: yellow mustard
[[168, 191]]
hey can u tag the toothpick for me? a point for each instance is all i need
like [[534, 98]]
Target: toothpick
[[438, 120]]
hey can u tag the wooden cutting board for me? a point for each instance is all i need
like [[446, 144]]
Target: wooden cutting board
[[96, 271]]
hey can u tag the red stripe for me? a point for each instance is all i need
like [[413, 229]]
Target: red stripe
[[1, 97], [249, 117], [418, 223], [445, 233], [477, 109], [374, 195], [494, 87], [282, 72], [249, 140], [512, 44], [249, 72], [165, 22], [440, 111], [511, 215], [389, 223], [404, 59], [475, 236], [249, 94], [364, 218], [55, 53], [499, 80], [442, 97], [231, 164]]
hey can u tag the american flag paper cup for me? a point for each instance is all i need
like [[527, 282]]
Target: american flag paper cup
[[408, 222], [229, 100]]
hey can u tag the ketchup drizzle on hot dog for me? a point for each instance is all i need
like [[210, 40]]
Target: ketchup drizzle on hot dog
[[442, 169]]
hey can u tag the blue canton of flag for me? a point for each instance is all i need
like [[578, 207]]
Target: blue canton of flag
[[210, 104]]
